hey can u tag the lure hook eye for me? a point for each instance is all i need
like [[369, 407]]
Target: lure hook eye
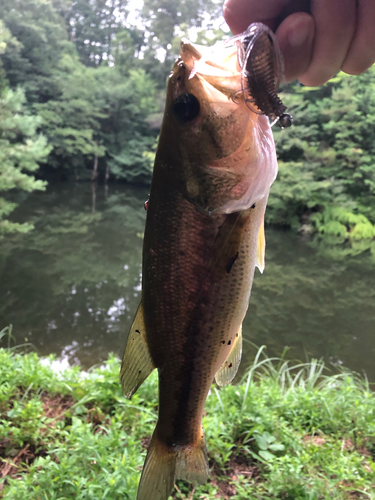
[[285, 120]]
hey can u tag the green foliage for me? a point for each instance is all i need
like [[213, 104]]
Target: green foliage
[[327, 167], [165, 22], [294, 432], [95, 71], [89, 71], [5, 39], [21, 148], [94, 118], [93, 26], [71, 122], [128, 102], [39, 41]]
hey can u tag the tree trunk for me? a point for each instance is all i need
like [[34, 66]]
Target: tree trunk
[[93, 197], [95, 169]]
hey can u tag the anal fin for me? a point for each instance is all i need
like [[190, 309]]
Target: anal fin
[[136, 364], [229, 368]]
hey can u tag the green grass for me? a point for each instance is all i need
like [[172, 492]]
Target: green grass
[[282, 433]]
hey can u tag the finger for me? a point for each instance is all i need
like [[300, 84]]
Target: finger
[[239, 14], [361, 53], [296, 38], [334, 29]]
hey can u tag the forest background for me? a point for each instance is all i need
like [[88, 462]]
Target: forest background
[[82, 86]]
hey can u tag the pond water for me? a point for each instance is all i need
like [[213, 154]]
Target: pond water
[[72, 285]]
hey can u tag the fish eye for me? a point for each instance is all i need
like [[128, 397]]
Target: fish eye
[[186, 106]]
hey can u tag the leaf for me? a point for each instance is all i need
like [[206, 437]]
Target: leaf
[[266, 455]]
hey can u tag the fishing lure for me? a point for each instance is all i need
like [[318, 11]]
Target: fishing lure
[[261, 64]]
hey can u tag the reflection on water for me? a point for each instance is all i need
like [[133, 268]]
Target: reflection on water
[[72, 285]]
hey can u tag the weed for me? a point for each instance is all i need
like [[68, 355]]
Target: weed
[[284, 432]]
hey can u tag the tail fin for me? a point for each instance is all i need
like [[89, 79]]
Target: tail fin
[[192, 462], [164, 464]]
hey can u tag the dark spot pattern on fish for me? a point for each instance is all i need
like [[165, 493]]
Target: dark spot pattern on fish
[[229, 342], [232, 260]]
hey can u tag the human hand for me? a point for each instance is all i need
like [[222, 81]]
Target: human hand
[[317, 37]]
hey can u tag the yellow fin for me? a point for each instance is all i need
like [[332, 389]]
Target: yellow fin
[[228, 241], [192, 462], [136, 364], [164, 464], [229, 368], [261, 248]]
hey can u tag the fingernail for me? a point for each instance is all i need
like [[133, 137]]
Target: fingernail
[[299, 31]]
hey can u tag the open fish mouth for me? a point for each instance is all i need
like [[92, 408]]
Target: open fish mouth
[[246, 68]]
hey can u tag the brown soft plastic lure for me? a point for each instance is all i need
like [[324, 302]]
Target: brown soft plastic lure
[[261, 66]]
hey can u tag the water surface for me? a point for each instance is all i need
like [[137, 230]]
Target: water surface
[[71, 286]]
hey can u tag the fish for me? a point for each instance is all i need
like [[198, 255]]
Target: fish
[[204, 236]]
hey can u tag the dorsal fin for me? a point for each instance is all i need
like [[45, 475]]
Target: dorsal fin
[[229, 368], [137, 363]]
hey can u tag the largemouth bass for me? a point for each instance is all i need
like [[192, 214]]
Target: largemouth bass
[[204, 236]]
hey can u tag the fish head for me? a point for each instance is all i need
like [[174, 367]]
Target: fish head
[[219, 152]]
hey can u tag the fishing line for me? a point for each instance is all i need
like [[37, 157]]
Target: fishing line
[[279, 136]]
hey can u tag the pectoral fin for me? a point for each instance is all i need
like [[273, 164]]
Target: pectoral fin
[[137, 363], [261, 248], [227, 243], [229, 368]]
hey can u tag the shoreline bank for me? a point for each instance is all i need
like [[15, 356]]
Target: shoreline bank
[[283, 432]]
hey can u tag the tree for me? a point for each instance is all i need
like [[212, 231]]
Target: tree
[[92, 25], [127, 100], [41, 39], [327, 167], [71, 121], [5, 39], [21, 150], [94, 115], [163, 20]]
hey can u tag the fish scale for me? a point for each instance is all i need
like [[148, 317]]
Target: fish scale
[[194, 303]]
